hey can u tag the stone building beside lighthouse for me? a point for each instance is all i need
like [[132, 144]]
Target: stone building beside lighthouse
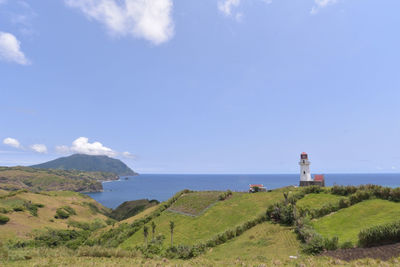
[[305, 175]]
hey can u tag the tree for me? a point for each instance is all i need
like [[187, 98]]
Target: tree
[[153, 228], [171, 227], [145, 233]]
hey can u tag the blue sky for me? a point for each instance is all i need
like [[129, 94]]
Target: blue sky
[[229, 86]]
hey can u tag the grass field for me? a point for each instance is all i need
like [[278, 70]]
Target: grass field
[[263, 242], [223, 215], [196, 202], [22, 223], [66, 257], [317, 201], [347, 223]]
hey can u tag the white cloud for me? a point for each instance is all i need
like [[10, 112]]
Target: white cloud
[[12, 142], [10, 49], [39, 148], [321, 4], [226, 6], [82, 145], [128, 155], [63, 149], [147, 19]]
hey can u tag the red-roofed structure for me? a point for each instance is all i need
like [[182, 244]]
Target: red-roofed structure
[[253, 188]]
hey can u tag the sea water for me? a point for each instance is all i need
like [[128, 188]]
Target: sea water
[[164, 186]]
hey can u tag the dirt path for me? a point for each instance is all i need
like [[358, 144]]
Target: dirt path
[[385, 252]]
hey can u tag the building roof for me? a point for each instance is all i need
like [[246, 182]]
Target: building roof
[[319, 177], [256, 185], [304, 153]]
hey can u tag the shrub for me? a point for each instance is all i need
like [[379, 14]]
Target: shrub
[[347, 244], [61, 214], [64, 212], [344, 203], [4, 219], [18, 208], [380, 235]]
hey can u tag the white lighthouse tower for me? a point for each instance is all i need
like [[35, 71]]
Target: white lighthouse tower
[[305, 175]]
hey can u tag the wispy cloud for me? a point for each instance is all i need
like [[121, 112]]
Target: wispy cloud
[[83, 146], [10, 49], [319, 4], [226, 6], [12, 142], [39, 148], [147, 19]]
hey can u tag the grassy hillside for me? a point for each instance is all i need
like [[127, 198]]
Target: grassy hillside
[[88, 163], [347, 223], [131, 208], [263, 242], [317, 201], [221, 216], [23, 221], [15, 178]]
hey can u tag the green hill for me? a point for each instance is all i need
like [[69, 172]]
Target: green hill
[[347, 223], [131, 208], [31, 212], [15, 178], [89, 163]]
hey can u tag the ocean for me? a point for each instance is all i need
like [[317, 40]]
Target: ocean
[[163, 186]]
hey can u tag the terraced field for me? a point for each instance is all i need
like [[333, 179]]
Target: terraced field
[[347, 223], [195, 203], [223, 215]]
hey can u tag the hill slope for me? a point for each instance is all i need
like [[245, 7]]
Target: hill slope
[[24, 220], [89, 163], [15, 178]]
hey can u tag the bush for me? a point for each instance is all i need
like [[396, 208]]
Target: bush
[[380, 235], [64, 212], [4, 219], [347, 244], [61, 214]]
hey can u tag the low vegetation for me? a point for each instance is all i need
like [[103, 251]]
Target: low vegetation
[[17, 178]]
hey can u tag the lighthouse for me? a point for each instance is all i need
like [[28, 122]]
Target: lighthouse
[[305, 175]]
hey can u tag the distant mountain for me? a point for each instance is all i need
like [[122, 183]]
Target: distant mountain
[[88, 163]]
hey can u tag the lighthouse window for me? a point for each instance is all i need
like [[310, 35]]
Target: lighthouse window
[[304, 172], [303, 161]]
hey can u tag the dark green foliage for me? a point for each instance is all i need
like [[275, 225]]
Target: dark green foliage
[[347, 244], [131, 208], [89, 163], [33, 208], [18, 208], [225, 195], [93, 226], [4, 219], [380, 235], [343, 190], [359, 196], [282, 213], [64, 212], [4, 210], [313, 243], [53, 238], [313, 189]]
